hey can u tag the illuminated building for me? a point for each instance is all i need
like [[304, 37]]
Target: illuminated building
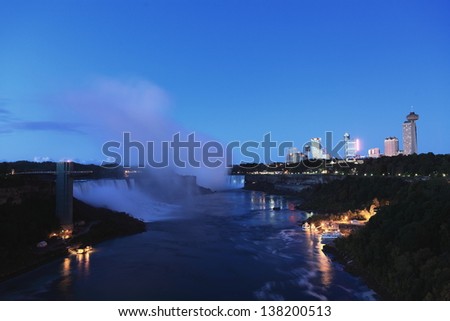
[[391, 146], [374, 152], [64, 195], [316, 148], [351, 147], [294, 156], [410, 134]]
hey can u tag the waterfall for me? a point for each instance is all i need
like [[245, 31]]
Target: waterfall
[[235, 181], [124, 195]]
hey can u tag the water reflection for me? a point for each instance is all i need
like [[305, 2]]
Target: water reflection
[[319, 261], [75, 265], [262, 201], [310, 246], [66, 267], [324, 265], [66, 278], [83, 261]]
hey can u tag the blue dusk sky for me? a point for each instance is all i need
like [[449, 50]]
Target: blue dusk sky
[[76, 73]]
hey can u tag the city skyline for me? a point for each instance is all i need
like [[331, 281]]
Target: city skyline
[[226, 70]]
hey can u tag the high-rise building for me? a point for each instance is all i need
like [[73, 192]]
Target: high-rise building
[[351, 147], [391, 146], [410, 134], [316, 148], [374, 152]]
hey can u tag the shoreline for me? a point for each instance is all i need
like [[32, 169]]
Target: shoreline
[[49, 258], [32, 265], [337, 256]]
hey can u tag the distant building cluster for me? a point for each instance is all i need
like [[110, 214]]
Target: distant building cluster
[[315, 150]]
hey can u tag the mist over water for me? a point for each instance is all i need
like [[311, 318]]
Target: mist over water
[[143, 110], [123, 196], [150, 196]]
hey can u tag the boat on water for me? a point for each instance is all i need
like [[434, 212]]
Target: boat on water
[[80, 249], [310, 227], [331, 235]]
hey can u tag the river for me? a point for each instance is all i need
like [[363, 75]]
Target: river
[[221, 246]]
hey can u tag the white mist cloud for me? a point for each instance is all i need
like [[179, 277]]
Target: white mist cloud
[[109, 107]]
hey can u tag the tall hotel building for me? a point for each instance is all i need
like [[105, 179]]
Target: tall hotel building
[[410, 134], [391, 146]]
